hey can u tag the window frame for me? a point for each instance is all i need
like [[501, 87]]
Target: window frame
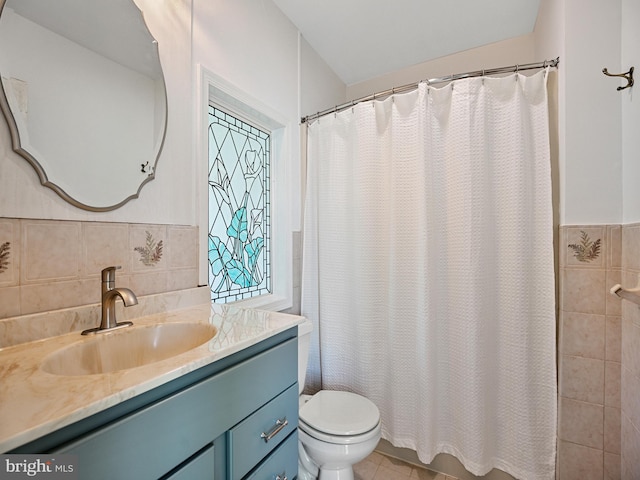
[[212, 89]]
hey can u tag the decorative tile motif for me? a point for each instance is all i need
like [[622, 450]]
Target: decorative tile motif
[[4, 256], [151, 253], [10, 262], [587, 250]]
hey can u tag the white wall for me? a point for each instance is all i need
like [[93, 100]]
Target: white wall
[[320, 87], [249, 43], [585, 34], [254, 47], [600, 172], [592, 182], [631, 113]]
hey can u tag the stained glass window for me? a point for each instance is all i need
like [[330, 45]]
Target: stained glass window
[[239, 208]]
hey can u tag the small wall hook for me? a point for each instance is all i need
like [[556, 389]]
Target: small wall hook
[[146, 168], [628, 76]]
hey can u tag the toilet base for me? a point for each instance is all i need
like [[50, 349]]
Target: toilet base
[[330, 461], [342, 474]]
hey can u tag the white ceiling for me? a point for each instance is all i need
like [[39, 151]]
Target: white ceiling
[[363, 39]]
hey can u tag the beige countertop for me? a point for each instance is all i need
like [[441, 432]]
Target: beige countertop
[[34, 403]]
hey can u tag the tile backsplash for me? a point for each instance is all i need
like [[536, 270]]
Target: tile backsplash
[[50, 264], [589, 353], [599, 358], [630, 353]]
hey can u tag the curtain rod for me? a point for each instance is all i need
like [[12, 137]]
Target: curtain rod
[[412, 86]]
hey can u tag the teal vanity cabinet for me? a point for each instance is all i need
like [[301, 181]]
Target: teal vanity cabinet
[[233, 419]]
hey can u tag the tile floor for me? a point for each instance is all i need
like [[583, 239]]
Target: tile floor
[[380, 467]]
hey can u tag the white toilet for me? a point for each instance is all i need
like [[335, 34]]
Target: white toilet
[[336, 429]]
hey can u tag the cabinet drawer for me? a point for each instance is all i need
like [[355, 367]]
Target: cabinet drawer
[[257, 435], [198, 468], [282, 464], [150, 442]]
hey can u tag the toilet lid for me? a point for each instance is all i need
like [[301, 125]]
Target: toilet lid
[[340, 413]]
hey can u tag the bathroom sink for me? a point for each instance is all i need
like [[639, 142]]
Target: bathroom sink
[[128, 348]]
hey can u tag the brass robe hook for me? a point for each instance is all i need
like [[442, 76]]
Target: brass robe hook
[[628, 76]]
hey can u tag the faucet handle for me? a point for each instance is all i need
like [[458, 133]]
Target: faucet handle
[[109, 274]]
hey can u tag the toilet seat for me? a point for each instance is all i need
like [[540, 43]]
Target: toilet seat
[[335, 417], [326, 438]]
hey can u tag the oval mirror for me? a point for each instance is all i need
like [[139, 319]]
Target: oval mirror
[[84, 96]]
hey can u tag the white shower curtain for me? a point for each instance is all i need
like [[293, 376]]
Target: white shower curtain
[[428, 269]]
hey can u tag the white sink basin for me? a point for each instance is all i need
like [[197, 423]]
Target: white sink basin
[[127, 348]]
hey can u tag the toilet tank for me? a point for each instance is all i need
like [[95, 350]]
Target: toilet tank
[[304, 337]]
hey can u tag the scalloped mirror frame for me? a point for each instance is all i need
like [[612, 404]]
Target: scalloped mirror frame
[[42, 175]]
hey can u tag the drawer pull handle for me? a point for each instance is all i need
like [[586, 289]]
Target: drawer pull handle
[[280, 424], [282, 477]]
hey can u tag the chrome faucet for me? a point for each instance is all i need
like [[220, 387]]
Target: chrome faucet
[[109, 295]]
